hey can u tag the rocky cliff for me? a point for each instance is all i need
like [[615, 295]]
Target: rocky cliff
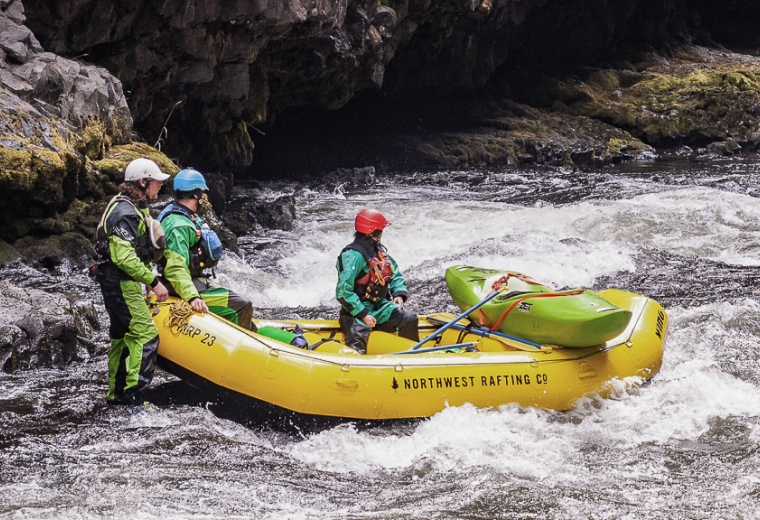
[[204, 78], [303, 87]]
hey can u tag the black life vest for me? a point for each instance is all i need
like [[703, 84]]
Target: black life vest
[[374, 284], [149, 246], [206, 251]]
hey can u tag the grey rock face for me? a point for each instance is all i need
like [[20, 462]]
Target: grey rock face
[[46, 104], [209, 71], [66, 92], [42, 330]]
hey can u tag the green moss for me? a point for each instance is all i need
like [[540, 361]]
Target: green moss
[[93, 140], [605, 79], [15, 170], [678, 126], [118, 157]]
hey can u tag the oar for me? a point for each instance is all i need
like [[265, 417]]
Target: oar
[[489, 333], [434, 349], [452, 322]]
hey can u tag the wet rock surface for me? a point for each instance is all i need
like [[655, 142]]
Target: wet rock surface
[[43, 330]]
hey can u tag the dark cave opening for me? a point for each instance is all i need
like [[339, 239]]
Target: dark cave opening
[[370, 130]]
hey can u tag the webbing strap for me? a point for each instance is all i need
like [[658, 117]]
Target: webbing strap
[[318, 343]]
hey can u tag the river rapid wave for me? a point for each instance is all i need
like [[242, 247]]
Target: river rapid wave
[[683, 446]]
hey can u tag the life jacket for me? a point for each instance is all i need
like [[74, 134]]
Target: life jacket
[[207, 249], [149, 246], [374, 284]]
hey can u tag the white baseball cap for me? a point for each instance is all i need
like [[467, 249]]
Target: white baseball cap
[[144, 169]]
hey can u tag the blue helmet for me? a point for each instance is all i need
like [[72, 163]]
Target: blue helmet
[[189, 180]]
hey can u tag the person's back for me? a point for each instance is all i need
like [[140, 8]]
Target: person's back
[[192, 250]]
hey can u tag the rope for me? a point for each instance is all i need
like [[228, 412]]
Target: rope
[[503, 282], [540, 295], [180, 313]]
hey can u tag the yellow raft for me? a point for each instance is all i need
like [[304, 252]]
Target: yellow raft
[[334, 380]]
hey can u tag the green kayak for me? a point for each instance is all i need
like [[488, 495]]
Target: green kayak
[[535, 312]]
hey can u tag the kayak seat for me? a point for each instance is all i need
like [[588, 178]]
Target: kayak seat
[[514, 294]]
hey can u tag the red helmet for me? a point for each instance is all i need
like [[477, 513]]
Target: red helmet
[[369, 220]]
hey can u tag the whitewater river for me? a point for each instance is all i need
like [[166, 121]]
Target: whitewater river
[[683, 446]]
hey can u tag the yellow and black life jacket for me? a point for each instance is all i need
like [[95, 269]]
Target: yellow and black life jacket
[[149, 246]]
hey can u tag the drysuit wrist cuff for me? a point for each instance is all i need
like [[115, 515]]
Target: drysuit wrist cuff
[[402, 294]]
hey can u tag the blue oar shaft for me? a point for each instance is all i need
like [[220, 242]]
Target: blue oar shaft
[[465, 313], [433, 349], [487, 333]]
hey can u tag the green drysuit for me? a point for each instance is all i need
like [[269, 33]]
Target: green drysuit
[[354, 266], [134, 337], [181, 235]]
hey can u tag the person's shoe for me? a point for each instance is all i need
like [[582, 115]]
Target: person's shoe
[[126, 400]]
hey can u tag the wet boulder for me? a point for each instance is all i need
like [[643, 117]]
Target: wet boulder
[[244, 214], [727, 147], [347, 177], [278, 214], [43, 330]]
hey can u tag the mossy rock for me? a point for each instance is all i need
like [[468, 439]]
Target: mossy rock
[[605, 79], [118, 157], [680, 98], [36, 180], [93, 139]]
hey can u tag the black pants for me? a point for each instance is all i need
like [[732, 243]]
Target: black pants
[[357, 334]]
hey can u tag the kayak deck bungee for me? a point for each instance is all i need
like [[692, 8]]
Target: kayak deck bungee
[[535, 312], [394, 381]]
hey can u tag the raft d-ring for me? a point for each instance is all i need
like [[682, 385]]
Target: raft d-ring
[[629, 343], [274, 352], [399, 368], [345, 368]]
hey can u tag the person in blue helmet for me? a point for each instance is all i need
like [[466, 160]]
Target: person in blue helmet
[[371, 289], [193, 250]]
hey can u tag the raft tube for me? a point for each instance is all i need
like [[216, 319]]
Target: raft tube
[[329, 379]]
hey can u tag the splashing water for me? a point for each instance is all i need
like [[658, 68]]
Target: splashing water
[[684, 445]]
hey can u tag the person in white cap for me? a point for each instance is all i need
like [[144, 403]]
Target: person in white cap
[[128, 239]]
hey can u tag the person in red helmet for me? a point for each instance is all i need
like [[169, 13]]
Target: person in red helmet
[[371, 289]]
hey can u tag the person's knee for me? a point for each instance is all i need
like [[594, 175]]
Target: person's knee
[[409, 315]]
